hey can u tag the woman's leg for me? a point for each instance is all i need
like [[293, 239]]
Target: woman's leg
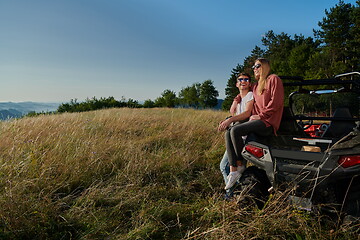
[[234, 141]]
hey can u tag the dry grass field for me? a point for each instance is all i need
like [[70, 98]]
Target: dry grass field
[[131, 174]]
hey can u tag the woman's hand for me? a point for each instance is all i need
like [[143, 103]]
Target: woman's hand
[[254, 117]]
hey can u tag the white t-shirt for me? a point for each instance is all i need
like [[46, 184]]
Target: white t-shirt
[[242, 105]]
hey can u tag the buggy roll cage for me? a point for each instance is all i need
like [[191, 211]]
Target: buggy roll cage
[[350, 82]]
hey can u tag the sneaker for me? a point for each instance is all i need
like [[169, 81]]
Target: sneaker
[[232, 179]]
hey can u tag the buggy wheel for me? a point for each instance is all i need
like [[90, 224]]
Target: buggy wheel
[[253, 188], [352, 203]]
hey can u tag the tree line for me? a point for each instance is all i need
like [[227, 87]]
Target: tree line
[[199, 95]]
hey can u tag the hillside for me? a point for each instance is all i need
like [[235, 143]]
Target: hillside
[[18, 109], [130, 174], [9, 114]]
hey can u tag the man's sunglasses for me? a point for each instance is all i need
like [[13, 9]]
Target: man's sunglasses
[[243, 79], [256, 66]]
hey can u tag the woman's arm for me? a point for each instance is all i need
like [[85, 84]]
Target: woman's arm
[[276, 101]]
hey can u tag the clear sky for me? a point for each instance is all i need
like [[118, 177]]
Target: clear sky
[[54, 51]]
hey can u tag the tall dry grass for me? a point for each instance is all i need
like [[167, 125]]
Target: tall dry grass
[[130, 174]]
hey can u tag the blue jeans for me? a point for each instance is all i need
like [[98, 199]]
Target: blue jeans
[[225, 170], [225, 167]]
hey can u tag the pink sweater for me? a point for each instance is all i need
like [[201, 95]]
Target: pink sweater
[[269, 105]]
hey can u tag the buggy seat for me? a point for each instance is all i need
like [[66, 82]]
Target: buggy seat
[[339, 127]]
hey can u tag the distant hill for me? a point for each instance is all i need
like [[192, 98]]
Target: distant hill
[[11, 113], [16, 110], [219, 104]]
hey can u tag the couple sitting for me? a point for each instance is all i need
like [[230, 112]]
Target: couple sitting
[[262, 107]]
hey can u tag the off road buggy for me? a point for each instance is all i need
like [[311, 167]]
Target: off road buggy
[[316, 152]]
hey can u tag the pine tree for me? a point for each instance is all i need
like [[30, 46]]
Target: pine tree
[[355, 38], [168, 99], [189, 96], [208, 94], [231, 90], [336, 33]]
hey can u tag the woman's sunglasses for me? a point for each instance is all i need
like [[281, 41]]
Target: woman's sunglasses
[[256, 66]]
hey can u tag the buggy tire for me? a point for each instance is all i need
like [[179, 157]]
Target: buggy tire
[[352, 203], [253, 186]]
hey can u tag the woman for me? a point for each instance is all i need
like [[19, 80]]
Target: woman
[[265, 119]]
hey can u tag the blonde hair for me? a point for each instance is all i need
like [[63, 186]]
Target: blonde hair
[[264, 73]]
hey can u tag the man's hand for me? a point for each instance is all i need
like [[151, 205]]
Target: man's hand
[[223, 125]]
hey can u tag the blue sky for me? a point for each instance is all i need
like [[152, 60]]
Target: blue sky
[[54, 51]]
